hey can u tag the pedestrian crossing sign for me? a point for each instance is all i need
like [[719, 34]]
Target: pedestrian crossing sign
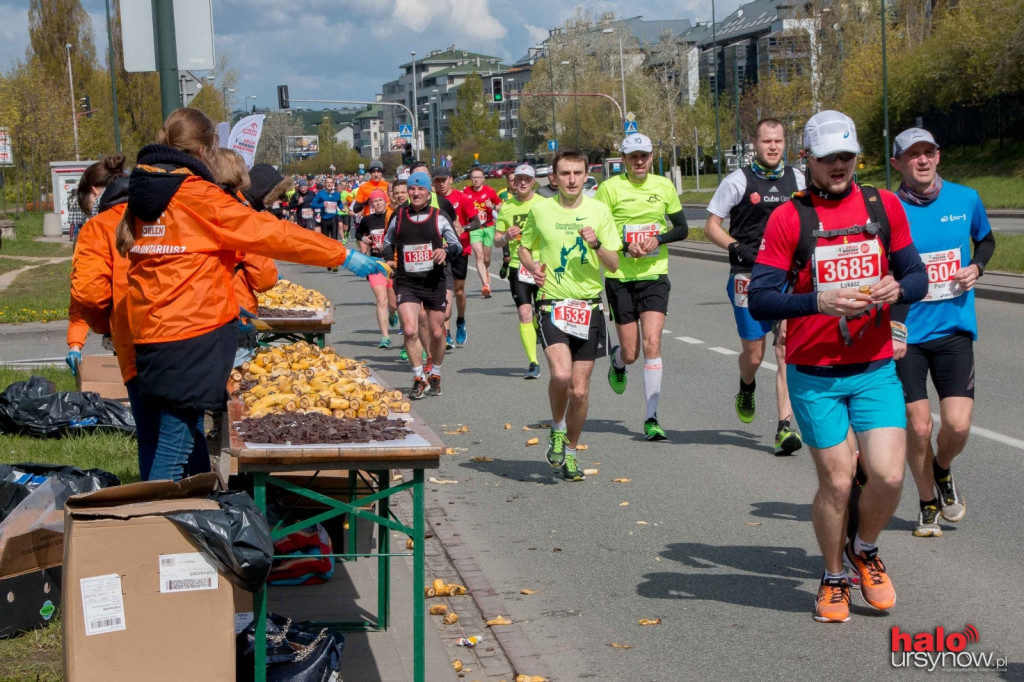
[[629, 127], [405, 130]]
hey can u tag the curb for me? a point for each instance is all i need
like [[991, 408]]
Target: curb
[[986, 291]]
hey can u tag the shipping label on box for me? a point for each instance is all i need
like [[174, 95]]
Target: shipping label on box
[[102, 605], [186, 573]]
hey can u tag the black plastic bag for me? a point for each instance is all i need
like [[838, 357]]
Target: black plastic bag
[[294, 652], [236, 537], [33, 408], [17, 481]]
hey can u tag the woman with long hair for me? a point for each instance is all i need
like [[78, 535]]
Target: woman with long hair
[[181, 233]]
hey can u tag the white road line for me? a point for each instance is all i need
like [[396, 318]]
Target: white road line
[[723, 351], [770, 365], [991, 435], [689, 339], [665, 331]]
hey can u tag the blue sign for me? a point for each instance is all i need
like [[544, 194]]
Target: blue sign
[[405, 130], [629, 127], [553, 145]]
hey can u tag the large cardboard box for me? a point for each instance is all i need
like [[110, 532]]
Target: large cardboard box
[[140, 601], [102, 374]]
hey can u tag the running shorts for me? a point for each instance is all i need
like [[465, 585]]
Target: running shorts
[[949, 359], [591, 348], [748, 328], [522, 293], [827, 406], [431, 298], [627, 299], [379, 280], [449, 279], [460, 267], [484, 235]]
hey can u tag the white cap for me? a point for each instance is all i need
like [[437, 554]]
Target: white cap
[[525, 169], [636, 143], [909, 137], [828, 132]]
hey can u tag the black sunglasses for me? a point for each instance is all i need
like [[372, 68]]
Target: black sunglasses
[[829, 159]]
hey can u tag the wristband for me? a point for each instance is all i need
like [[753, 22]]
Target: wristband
[[899, 331], [818, 300]]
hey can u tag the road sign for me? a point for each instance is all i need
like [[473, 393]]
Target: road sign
[[405, 130], [476, 157], [553, 145], [630, 116], [629, 127]]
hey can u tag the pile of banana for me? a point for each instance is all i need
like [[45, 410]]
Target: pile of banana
[[301, 378], [290, 296]]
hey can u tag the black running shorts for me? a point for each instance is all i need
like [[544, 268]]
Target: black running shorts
[[949, 359], [627, 300], [522, 293], [435, 298], [593, 347], [460, 267]]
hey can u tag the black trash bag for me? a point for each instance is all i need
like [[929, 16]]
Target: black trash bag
[[17, 481], [295, 652], [33, 408], [236, 537]]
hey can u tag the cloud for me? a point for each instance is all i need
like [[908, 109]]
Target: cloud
[[413, 14], [474, 17], [537, 34]]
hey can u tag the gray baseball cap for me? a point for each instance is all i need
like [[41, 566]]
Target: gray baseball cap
[[909, 137]]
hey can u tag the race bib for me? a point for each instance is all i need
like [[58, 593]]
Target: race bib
[[418, 258], [306, 213], [636, 234], [741, 281], [377, 239], [330, 207], [847, 266], [572, 317], [276, 205], [941, 266], [525, 276]]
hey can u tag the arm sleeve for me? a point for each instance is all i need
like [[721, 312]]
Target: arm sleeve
[[78, 326], [453, 246], [92, 268], [768, 299], [318, 201], [387, 249], [909, 270], [728, 194], [983, 250], [680, 230]]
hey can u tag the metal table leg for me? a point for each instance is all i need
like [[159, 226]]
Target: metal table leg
[[418, 578], [259, 610]]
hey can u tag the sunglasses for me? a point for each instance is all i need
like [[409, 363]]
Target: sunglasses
[[829, 159]]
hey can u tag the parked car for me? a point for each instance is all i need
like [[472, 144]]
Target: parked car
[[543, 170], [501, 169], [596, 168], [590, 186]]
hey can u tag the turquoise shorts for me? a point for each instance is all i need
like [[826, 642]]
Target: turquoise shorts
[[749, 329], [826, 407]]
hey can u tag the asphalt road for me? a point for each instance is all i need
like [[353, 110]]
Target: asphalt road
[[696, 217], [716, 538]]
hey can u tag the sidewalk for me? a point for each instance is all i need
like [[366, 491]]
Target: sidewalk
[[997, 286]]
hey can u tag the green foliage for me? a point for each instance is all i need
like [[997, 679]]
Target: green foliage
[[38, 295], [474, 128]]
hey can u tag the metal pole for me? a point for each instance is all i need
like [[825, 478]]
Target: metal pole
[[696, 156], [551, 75], [415, 109], [714, 54], [736, 99], [622, 72], [74, 107], [113, 79], [166, 54], [885, 107]]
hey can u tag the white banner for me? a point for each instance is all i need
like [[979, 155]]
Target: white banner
[[6, 155], [223, 134], [245, 136]]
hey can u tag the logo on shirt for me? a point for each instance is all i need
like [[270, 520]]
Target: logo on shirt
[[952, 218], [755, 198], [774, 189], [652, 199], [864, 248], [156, 230]]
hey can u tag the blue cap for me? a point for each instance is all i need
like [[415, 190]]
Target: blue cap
[[419, 180]]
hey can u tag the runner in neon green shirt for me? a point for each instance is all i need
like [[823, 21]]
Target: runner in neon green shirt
[[638, 290], [574, 237], [508, 229], [506, 252]]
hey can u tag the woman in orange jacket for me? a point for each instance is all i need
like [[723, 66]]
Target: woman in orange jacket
[[181, 233]]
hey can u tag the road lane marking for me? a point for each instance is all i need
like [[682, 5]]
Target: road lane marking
[[723, 351], [770, 365], [689, 339], [991, 435]]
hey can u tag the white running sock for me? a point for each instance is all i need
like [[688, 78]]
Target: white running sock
[[558, 426], [617, 359], [418, 372], [833, 576], [435, 369], [859, 546], [652, 385]]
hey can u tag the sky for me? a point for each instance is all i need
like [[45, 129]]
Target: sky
[[347, 49]]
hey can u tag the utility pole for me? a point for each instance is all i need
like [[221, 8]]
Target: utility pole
[[74, 102], [551, 75], [166, 54], [113, 78], [714, 54]]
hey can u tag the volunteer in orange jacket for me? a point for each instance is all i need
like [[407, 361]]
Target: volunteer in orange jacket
[[181, 233]]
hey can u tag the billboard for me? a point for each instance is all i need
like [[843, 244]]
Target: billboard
[[302, 145], [396, 143], [6, 153]]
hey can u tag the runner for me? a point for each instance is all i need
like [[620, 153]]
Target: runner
[[845, 246], [343, 215], [549, 190], [327, 201], [416, 234], [506, 253], [370, 236], [574, 237], [747, 197], [468, 221], [301, 205], [486, 201], [508, 229], [638, 290], [361, 201], [945, 219]]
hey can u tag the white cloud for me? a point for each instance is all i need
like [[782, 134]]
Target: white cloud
[[413, 14], [538, 34], [474, 17]]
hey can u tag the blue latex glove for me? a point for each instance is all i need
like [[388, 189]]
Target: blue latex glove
[[360, 264], [74, 359]]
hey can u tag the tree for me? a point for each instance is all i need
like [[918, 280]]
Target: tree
[[474, 128]]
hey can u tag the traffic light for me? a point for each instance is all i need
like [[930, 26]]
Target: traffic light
[[282, 97], [87, 106], [407, 155], [497, 89]]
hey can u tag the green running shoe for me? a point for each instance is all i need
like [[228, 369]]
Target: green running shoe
[[404, 355], [653, 430], [616, 376], [385, 342], [787, 441], [556, 448], [570, 469], [745, 406], [393, 319]]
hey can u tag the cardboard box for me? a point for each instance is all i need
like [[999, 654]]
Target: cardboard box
[[140, 602], [102, 374], [30, 600]]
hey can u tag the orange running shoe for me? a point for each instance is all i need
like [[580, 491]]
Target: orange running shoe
[[833, 602], [486, 292], [875, 586]]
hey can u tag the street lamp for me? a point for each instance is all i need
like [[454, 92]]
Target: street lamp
[[622, 69], [414, 106], [714, 53], [435, 156], [250, 97], [575, 100], [551, 76], [224, 92], [518, 129], [885, 107], [74, 109]]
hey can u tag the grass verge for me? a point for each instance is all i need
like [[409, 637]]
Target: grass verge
[[28, 226], [36, 656], [39, 295], [9, 264]]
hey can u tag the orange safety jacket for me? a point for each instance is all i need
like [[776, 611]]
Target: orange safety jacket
[[183, 260], [253, 274], [99, 284], [78, 327]]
